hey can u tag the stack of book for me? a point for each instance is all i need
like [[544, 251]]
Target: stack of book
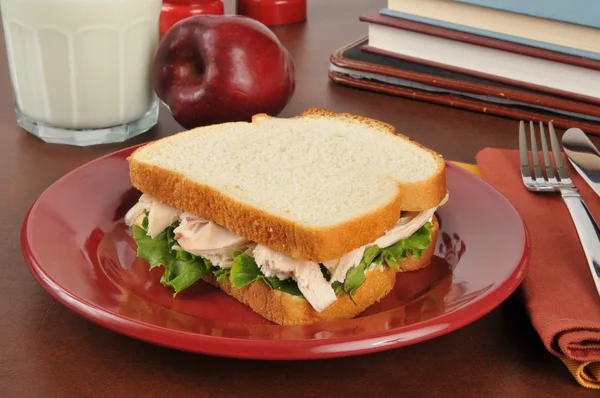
[[534, 59]]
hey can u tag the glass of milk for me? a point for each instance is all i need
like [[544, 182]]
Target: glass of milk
[[80, 69]]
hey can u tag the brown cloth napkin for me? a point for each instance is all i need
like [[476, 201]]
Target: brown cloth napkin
[[559, 293]]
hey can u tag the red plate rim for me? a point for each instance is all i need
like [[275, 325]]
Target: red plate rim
[[276, 349]]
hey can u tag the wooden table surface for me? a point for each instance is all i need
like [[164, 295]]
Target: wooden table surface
[[49, 351]]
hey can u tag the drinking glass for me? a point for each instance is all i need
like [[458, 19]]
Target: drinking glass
[[81, 69]]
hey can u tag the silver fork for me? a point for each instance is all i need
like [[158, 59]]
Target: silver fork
[[586, 226]]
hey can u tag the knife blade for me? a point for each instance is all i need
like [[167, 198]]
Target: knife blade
[[584, 156]]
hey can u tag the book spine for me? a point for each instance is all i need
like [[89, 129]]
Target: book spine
[[400, 23], [578, 12], [493, 35]]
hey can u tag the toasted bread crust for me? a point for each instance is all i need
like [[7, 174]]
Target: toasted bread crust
[[285, 309], [306, 243]]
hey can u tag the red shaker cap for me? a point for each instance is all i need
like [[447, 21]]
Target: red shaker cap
[[174, 11], [273, 12]]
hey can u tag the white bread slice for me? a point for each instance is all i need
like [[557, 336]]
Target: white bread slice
[[313, 187], [285, 309]]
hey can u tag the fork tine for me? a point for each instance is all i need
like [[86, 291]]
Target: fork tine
[[524, 151], [535, 156], [546, 154], [558, 160]]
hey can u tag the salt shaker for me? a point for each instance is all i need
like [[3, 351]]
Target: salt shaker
[[174, 11], [273, 12]]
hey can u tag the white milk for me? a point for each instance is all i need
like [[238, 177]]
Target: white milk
[[81, 64]]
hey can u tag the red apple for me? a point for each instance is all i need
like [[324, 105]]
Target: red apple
[[222, 68]]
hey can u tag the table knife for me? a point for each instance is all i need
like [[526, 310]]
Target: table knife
[[584, 156]]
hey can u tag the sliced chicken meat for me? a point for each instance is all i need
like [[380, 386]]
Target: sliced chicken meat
[[160, 215], [209, 240], [311, 282]]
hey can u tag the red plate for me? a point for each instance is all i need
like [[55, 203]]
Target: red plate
[[79, 250]]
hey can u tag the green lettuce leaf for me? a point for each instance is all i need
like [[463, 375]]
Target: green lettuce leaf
[[181, 270], [246, 271], [417, 243], [288, 286], [370, 254], [414, 245], [182, 274], [338, 288], [145, 220], [171, 239], [154, 251], [222, 274], [183, 255], [354, 278]]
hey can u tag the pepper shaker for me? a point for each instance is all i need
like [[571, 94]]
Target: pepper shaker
[[273, 12], [174, 11]]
